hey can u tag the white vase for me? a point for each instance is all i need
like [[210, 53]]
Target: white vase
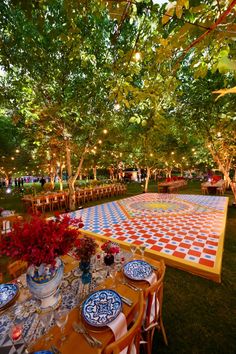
[[46, 288]]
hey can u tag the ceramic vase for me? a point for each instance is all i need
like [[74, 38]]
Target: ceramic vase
[[46, 287]]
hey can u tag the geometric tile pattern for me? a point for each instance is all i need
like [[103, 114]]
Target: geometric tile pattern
[[186, 230]]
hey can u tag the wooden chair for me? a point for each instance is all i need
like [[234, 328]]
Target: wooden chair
[[153, 319], [38, 204], [220, 190], [6, 223], [132, 337], [16, 268], [63, 200], [204, 189], [55, 202]]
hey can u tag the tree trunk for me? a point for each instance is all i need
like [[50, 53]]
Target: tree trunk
[[95, 173], [72, 178], [52, 179], [225, 170], [147, 179]]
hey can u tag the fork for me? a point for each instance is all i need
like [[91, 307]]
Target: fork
[[94, 342]]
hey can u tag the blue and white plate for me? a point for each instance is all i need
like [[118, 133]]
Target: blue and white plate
[[43, 352], [8, 292], [137, 270], [101, 307]]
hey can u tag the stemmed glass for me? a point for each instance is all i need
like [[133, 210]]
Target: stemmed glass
[[133, 249], [61, 317], [142, 250]]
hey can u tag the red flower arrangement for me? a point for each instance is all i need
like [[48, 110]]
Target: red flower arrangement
[[39, 241], [110, 247], [85, 248]]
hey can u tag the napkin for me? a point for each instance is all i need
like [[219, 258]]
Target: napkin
[[151, 280], [119, 328]]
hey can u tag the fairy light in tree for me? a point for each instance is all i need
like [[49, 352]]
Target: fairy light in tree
[[99, 141], [105, 131], [137, 56], [116, 106], [17, 151], [172, 153], [193, 149]]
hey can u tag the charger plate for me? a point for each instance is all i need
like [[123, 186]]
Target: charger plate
[[8, 293], [137, 270], [101, 307]]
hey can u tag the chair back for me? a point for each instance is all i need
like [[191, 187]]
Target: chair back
[[16, 268], [154, 295], [132, 337]]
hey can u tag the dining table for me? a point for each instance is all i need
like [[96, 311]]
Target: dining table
[[212, 186], [40, 334]]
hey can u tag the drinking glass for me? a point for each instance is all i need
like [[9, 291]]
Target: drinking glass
[[142, 250], [133, 249], [61, 317]]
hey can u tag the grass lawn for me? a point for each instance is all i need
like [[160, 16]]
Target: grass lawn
[[199, 315]]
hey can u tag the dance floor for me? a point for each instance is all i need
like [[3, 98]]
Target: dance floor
[[187, 231]]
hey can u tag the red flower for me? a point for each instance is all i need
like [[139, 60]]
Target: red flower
[[110, 247], [85, 248], [39, 240]]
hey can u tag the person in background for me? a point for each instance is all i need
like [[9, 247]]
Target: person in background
[[22, 181]]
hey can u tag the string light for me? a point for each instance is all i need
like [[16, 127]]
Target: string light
[[99, 141], [137, 56], [116, 106], [104, 131]]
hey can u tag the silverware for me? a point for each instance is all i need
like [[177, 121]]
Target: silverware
[[126, 300], [94, 342], [131, 286], [55, 350]]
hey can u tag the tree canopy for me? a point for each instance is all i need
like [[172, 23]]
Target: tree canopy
[[144, 71]]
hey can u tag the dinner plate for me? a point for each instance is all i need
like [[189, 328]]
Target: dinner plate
[[101, 307], [8, 292], [137, 270], [43, 352]]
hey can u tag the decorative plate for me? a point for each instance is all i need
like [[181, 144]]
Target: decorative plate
[[8, 292], [137, 270], [43, 352], [101, 307]]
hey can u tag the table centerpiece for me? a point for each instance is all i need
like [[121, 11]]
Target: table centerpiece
[[40, 243], [110, 249], [85, 249]]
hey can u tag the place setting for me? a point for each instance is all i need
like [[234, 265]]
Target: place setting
[[101, 311]]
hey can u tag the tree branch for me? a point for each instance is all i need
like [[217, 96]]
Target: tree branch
[[212, 28]]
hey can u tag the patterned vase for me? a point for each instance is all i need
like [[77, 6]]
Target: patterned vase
[[46, 287], [86, 275], [109, 259]]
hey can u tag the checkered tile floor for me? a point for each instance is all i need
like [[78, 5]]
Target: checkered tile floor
[[183, 227]]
